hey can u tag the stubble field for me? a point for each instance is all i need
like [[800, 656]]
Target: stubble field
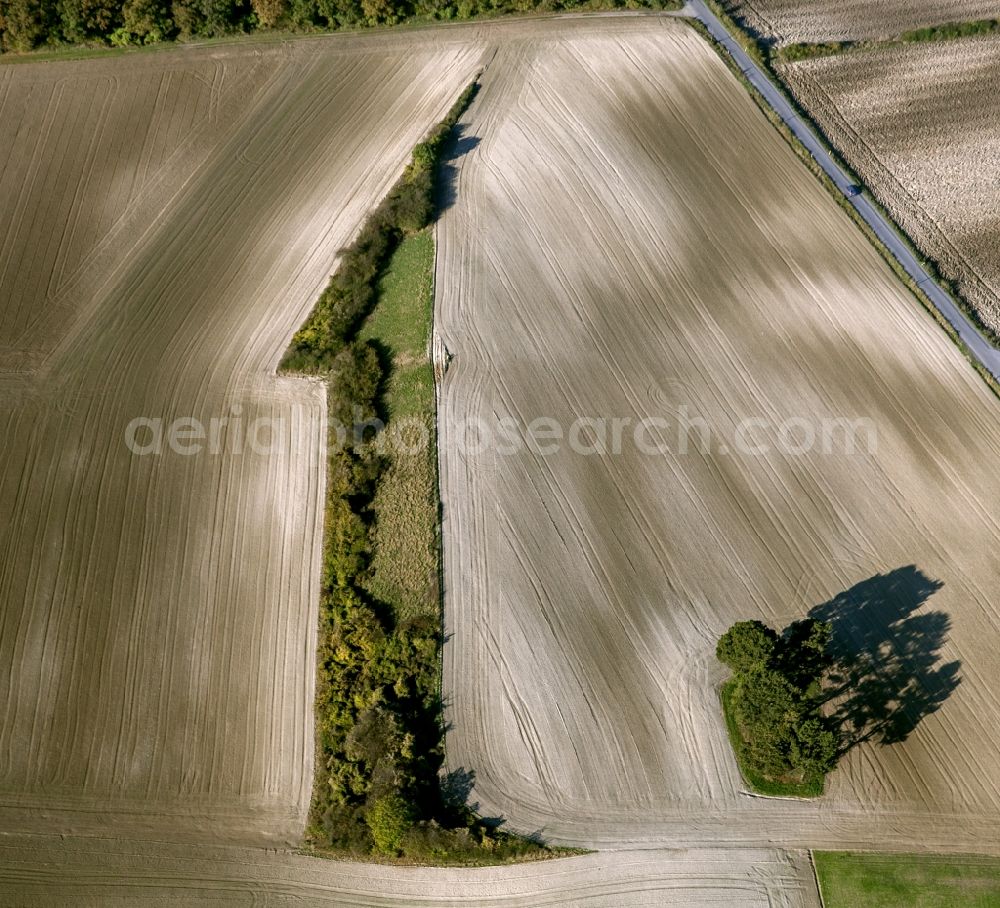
[[789, 21], [918, 124], [613, 252], [174, 217]]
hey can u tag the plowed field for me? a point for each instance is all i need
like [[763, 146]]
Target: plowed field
[[632, 239], [174, 218]]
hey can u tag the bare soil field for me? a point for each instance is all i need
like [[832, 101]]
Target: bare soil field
[[615, 252], [174, 217], [608, 250], [38, 871], [918, 124], [790, 21]]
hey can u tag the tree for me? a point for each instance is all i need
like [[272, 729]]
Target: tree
[[804, 651], [337, 13], [216, 17], [775, 698], [767, 709], [348, 548], [269, 11], [100, 17], [380, 12], [146, 21], [187, 16], [376, 737], [745, 645], [71, 20], [355, 381], [24, 23], [302, 13], [814, 746]]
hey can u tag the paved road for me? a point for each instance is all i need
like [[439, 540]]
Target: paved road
[[981, 349]]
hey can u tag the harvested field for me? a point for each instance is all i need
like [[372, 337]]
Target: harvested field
[[918, 124], [789, 21], [174, 218], [614, 253]]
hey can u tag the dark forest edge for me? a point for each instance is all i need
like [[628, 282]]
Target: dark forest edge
[[26, 25], [379, 729]]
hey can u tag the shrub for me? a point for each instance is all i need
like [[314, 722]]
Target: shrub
[[389, 819], [950, 30], [802, 51], [355, 378]]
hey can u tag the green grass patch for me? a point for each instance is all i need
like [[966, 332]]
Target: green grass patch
[[405, 544], [400, 325], [853, 880], [788, 788]]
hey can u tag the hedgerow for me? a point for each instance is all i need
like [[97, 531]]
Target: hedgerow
[[379, 732]]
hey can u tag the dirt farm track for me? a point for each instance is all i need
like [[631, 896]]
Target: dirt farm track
[[608, 251]]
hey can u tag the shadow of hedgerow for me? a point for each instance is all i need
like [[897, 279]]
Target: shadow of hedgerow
[[887, 671]]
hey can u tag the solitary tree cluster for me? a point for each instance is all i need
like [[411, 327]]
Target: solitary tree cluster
[[775, 696]]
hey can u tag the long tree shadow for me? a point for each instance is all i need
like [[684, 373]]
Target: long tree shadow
[[446, 184], [887, 672], [456, 796]]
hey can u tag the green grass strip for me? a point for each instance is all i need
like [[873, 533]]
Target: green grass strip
[[404, 568], [855, 880]]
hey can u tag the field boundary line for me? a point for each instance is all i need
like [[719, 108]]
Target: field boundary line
[[819, 885]]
